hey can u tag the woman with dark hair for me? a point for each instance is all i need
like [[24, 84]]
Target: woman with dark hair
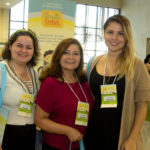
[[147, 62], [120, 84], [64, 101], [20, 56]]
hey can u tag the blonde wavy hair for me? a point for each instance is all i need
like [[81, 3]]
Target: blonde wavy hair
[[127, 57]]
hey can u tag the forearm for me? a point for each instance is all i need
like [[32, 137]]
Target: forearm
[[43, 121], [140, 114], [52, 127]]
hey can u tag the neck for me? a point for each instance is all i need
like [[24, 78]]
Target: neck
[[111, 61], [70, 77], [18, 66], [113, 55], [20, 70]]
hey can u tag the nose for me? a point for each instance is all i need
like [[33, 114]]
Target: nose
[[114, 36], [24, 49], [71, 55]]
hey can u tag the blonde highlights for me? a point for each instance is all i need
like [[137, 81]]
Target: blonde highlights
[[126, 59]]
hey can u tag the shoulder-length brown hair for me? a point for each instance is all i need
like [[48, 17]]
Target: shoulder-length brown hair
[[55, 70], [6, 54]]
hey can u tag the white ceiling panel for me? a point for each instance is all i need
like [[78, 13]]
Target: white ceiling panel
[[12, 3]]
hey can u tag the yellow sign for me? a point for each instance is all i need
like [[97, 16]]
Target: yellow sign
[[52, 18]]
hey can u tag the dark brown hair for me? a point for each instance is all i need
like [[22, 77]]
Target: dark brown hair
[[54, 69], [6, 54]]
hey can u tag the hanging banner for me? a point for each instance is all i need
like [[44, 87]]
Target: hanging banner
[[52, 21]]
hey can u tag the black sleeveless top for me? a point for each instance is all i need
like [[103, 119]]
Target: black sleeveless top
[[104, 125]]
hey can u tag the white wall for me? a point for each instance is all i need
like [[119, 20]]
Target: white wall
[[138, 12]]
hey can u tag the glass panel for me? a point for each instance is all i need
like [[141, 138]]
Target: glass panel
[[26, 10], [91, 35], [16, 25], [100, 35], [80, 38], [88, 55], [116, 11], [80, 15], [79, 30], [25, 26], [17, 12], [90, 38], [105, 14], [100, 17], [101, 46], [11, 32], [91, 16], [112, 12], [91, 31], [90, 45], [100, 52]]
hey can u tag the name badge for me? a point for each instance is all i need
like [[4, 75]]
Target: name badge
[[108, 96], [26, 105], [82, 114]]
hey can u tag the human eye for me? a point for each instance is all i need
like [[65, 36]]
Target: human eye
[[121, 33], [19, 45], [110, 32], [66, 52], [76, 53], [29, 47]]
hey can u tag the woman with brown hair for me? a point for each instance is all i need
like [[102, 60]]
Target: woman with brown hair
[[64, 101], [20, 56]]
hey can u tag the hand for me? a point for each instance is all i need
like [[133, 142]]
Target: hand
[[129, 144], [0, 147], [74, 135]]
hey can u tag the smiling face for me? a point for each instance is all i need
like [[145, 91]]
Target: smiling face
[[22, 50], [114, 37], [70, 60]]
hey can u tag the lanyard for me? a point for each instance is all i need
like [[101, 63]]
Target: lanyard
[[105, 72], [80, 143], [73, 90]]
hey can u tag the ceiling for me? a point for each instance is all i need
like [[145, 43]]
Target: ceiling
[[12, 3]]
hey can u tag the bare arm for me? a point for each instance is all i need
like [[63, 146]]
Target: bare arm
[[44, 122], [140, 114]]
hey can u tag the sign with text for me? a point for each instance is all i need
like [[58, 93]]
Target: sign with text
[[52, 21]]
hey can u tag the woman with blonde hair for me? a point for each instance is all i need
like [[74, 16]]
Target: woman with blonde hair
[[120, 84]]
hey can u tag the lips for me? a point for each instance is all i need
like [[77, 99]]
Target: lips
[[70, 62], [114, 43], [22, 55]]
